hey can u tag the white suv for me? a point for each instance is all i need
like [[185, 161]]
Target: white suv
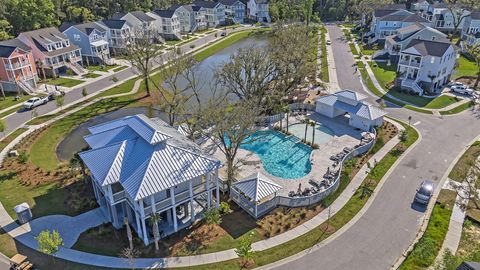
[[461, 89]]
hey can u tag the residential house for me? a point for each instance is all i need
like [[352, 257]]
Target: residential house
[[199, 18], [141, 166], [140, 23], [425, 66], [235, 11], [354, 106], [17, 67], [258, 10], [471, 29], [214, 12], [394, 44], [184, 14], [53, 52], [442, 18], [469, 266], [92, 39], [420, 6], [386, 22], [170, 23], [119, 34]]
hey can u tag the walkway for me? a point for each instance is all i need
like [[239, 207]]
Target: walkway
[[332, 69], [26, 233]]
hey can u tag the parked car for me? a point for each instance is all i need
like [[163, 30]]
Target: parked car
[[55, 94], [424, 192], [462, 89], [456, 84], [329, 42], [35, 102]]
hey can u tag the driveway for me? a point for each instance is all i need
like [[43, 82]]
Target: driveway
[[391, 223]]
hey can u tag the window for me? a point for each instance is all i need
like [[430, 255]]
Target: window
[[432, 60], [76, 37], [433, 38]]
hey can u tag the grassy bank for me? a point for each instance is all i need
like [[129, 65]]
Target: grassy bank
[[458, 109], [324, 76], [11, 137], [460, 170], [426, 249], [65, 82], [9, 100]]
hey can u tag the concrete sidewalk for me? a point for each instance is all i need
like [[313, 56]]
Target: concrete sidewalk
[[26, 235], [332, 69]]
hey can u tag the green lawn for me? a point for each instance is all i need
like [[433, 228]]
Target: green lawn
[[102, 68], [11, 137], [466, 68], [119, 89], [324, 76], [91, 75], [172, 42], [368, 50], [426, 249], [120, 68], [463, 165], [385, 76], [353, 49], [65, 82], [458, 109], [10, 100]]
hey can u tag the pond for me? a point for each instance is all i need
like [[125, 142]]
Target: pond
[[74, 142]]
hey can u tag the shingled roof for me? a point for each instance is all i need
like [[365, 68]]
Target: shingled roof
[[427, 47], [7, 47]]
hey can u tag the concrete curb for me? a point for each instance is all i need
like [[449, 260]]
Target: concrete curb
[[426, 218]]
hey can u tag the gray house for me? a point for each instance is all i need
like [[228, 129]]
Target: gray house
[[142, 166], [119, 34], [92, 39], [235, 11]]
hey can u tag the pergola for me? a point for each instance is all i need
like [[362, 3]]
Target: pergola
[[257, 188]]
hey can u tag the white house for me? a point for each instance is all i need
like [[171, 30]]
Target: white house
[[351, 104], [139, 21], [119, 34], [199, 18], [170, 24], [420, 6], [471, 29], [442, 18], [394, 44], [184, 14], [258, 10], [214, 12], [425, 65], [141, 166], [386, 22]]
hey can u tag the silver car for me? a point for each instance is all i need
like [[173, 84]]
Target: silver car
[[424, 192]]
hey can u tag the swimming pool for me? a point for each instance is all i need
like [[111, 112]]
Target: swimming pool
[[322, 133], [281, 156]]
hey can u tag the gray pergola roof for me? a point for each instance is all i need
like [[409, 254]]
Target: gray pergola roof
[[257, 187]]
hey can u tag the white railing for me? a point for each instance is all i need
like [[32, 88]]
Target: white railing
[[267, 206], [17, 65]]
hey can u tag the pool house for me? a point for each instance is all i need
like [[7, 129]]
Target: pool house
[[141, 166]]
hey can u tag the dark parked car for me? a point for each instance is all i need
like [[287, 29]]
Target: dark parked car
[[424, 192]]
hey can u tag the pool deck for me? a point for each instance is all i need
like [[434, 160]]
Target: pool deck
[[250, 163]]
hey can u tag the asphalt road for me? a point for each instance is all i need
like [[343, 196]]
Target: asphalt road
[[388, 227], [19, 118]]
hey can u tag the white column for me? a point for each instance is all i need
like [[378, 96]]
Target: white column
[[209, 192], [142, 216], [256, 209], [137, 220], [217, 188], [174, 212], [192, 210]]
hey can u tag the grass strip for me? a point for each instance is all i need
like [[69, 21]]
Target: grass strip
[[458, 109], [120, 68], [324, 76], [459, 172], [11, 137], [224, 43], [65, 82], [426, 249]]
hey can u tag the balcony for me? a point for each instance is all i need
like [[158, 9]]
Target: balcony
[[17, 65], [409, 63]]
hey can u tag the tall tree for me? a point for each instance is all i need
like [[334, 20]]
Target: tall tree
[[307, 9], [460, 10], [230, 125], [27, 15], [143, 53]]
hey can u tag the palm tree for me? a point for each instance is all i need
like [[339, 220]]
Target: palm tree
[[286, 110], [306, 121], [365, 190], [431, 77], [154, 219], [313, 124]]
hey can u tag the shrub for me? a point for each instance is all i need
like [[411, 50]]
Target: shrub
[[212, 216], [403, 136], [22, 157], [225, 208], [424, 252]]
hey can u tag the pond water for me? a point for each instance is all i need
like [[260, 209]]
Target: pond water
[[74, 142]]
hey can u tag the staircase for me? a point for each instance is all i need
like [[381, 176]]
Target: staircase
[[412, 85], [27, 88], [76, 68]]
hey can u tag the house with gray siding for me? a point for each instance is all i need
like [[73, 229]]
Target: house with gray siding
[[141, 166], [258, 10], [235, 11], [92, 39], [214, 12], [471, 29], [119, 34], [169, 23]]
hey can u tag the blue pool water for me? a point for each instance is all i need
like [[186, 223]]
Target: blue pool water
[[281, 156]]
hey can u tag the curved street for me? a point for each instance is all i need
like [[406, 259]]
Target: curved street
[[391, 223]]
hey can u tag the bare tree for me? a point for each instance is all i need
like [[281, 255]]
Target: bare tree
[[230, 125], [130, 256], [177, 85], [248, 74], [143, 52], [460, 10], [469, 189]]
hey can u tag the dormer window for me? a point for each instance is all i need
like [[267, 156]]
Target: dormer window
[[67, 43], [49, 47]]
